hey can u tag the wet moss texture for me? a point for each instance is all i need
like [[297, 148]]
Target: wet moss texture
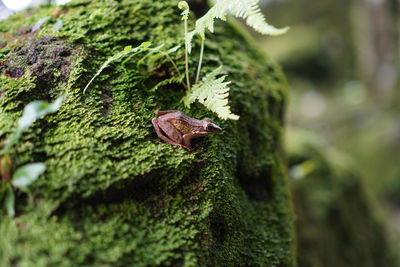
[[113, 193]]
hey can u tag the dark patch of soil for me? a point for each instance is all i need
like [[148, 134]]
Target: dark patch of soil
[[47, 57], [107, 99], [14, 72]]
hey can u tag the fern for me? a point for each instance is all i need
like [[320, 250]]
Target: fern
[[127, 50], [245, 9], [185, 7], [213, 93], [250, 11], [185, 16]]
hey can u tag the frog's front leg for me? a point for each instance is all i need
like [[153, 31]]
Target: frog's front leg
[[167, 132], [187, 138], [186, 141]]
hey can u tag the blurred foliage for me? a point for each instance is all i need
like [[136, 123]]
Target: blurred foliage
[[338, 224], [318, 55], [318, 45], [348, 118]]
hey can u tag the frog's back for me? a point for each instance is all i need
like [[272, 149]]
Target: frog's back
[[184, 123]]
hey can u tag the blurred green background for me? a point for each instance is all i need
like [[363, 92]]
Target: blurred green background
[[341, 60]]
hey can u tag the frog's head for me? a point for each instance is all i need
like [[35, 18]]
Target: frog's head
[[209, 127]]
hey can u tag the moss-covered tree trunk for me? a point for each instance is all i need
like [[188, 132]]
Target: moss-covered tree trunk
[[115, 194]]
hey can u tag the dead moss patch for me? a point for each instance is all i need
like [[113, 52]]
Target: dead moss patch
[[48, 58], [14, 72], [107, 99]]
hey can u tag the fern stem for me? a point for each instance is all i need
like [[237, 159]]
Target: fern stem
[[200, 60], [176, 68], [173, 64], [186, 54]]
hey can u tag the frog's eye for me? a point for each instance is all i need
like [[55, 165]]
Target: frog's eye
[[209, 128]]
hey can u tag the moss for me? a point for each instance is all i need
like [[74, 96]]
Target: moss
[[113, 193]]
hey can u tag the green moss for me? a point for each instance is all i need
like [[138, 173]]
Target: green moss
[[113, 193]]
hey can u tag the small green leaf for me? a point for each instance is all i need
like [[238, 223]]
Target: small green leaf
[[55, 106], [173, 49], [58, 25], [143, 45], [155, 49], [188, 40], [128, 48], [9, 202], [152, 51], [39, 24], [36, 110], [27, 174]]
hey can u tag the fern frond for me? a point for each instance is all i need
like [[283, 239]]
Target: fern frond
[[172, 80], [249, 10], [183, 5], [218, 11], [127, 50], [213, 93]]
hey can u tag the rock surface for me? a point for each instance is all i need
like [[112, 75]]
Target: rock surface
[[113, 193]]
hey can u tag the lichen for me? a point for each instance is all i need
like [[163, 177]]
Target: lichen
[[113, 193]]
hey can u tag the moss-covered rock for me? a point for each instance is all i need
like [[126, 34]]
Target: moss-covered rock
[[113, 193]]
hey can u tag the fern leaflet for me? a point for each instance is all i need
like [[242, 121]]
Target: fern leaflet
[[249, 10], [213, 93], [127, 50]]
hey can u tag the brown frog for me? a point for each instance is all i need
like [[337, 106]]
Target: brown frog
[[177, 129]]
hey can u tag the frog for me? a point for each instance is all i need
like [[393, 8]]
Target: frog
[[178, 129]]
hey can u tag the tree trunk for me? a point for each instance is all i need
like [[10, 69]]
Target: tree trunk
[[374, 46]]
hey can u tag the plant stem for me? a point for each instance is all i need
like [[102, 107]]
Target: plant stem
[[200, 60], [186, 54], [176, 68], [173, 64]]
